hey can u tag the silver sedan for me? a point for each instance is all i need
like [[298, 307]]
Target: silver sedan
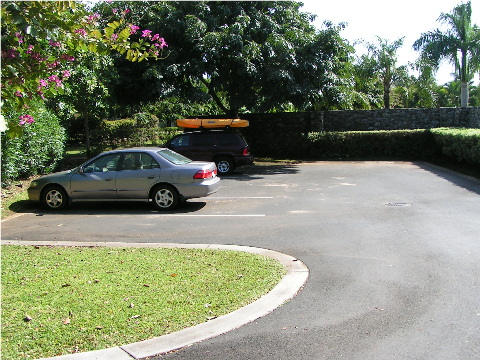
[[159, 175]]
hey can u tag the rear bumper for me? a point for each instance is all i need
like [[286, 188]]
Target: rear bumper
[[244, 160], [200, 189]]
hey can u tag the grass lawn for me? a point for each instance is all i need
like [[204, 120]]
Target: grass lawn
[[62, 300]]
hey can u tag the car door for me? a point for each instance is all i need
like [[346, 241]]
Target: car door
[[138, 172], [97, 179], [202, 147]]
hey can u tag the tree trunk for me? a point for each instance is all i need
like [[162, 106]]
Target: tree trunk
[[386, 96], [87, 137], [464, 94]]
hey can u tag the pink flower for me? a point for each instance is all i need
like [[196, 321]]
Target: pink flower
[[54, 43], [56, 80], [93, 18], [114, 37], [146, 33], [43, 83], [10, 54], [42, 94], [26, 119], [67, 57], [161, 43], [66, 74], [18, 93], [53, 65], [81, 32], [19, 37], [134, 29]]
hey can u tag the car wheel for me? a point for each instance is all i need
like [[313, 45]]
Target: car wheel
[[55, 198], [224, 166], [165, 197]]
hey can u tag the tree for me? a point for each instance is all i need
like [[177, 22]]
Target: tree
[[417, 92], [86, 95], [459, 44], [367, 83], [40, 40], [251, 55], [385, 55]]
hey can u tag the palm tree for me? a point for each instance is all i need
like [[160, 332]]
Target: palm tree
[[385, 56], [459, 44]]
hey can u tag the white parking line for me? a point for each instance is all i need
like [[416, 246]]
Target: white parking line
[[214, 215], [239, 197]]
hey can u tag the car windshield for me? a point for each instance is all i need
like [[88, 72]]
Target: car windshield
[[173, 157]]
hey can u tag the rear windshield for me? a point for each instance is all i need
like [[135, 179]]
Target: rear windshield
[[173, 157]]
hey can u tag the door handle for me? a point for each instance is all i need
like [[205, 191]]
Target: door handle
[[108, 179], [151, 177]]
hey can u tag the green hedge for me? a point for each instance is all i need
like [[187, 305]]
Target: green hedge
[[462, 145], [140, 131], [39, 150], [398, 144]]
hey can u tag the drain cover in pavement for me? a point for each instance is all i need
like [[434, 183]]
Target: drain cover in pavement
[[397, 204]]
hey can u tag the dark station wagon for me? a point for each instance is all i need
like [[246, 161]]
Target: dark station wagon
[[226, 148]]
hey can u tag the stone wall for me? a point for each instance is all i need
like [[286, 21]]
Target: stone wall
[[283, 131], [369, 120], [400, 119]]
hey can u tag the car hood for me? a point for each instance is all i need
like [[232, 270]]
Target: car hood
[[57, 175]]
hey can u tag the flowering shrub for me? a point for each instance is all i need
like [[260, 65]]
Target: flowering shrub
[[39, 44], [38, 151]]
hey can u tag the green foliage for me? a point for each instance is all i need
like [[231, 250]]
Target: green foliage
[[235, 53], [459, 44], [398, 144], [128, 132], [463, 145], [41, 39], [146, 120], [116, 132], [38, 151]]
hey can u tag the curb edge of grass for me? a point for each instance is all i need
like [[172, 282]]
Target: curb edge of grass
[[288, 287]]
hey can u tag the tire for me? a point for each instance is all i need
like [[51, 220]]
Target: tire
[[165, 198], [224, 166], [55, 198]]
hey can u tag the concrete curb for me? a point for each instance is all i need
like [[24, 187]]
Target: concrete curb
[[286, 289]]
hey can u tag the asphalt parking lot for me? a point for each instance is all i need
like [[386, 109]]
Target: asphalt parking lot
[[393, 250]]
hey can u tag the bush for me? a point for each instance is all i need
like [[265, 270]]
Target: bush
[[398, 144], [146, 120], [116, 132], [39, 150], [462, 145]]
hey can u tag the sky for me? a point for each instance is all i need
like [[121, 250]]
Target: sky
[[368, 19]]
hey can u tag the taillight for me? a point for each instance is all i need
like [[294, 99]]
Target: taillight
[[205, 174], [246, 152]]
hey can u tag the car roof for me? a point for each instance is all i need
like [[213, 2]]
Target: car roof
[[135, 149]]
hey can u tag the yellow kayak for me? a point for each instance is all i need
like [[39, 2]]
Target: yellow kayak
[[211, 123]]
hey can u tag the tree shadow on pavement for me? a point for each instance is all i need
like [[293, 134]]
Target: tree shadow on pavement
[[469, 183]]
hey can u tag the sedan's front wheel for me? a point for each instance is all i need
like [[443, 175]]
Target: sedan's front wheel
[[55, 198], [165, 197]]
